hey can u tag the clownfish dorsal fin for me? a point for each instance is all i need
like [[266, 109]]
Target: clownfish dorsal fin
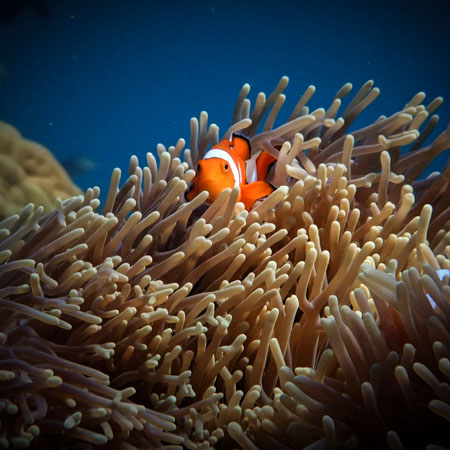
[[241, 146]]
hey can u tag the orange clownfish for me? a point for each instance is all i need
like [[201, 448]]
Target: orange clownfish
[[228, 164]]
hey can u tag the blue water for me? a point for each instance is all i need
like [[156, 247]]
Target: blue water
[[107, 79]]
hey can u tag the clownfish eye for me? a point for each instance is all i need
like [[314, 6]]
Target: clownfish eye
[[226, 167]]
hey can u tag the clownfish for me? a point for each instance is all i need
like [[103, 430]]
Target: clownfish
[[227, 165]]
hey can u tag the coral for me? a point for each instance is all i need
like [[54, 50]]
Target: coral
[[306, 321], [29, 174]]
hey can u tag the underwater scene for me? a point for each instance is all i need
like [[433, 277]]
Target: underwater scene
[[224, 224]]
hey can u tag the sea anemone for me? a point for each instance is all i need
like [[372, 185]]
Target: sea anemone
[[319, 318]]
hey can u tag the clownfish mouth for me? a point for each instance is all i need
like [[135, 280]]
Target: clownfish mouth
[[188, 191]]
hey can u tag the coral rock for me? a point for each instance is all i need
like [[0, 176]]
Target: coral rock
[[29, 174]]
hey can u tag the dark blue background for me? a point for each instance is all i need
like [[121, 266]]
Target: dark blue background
[[107, 79]]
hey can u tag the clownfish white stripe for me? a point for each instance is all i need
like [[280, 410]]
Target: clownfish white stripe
[[251, 169], [222, 154]]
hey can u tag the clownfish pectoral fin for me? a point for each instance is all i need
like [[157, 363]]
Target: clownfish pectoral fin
[[241, 146], [254, 191], [263, 164]]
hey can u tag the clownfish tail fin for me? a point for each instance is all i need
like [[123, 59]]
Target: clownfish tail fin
[[263, 164]]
